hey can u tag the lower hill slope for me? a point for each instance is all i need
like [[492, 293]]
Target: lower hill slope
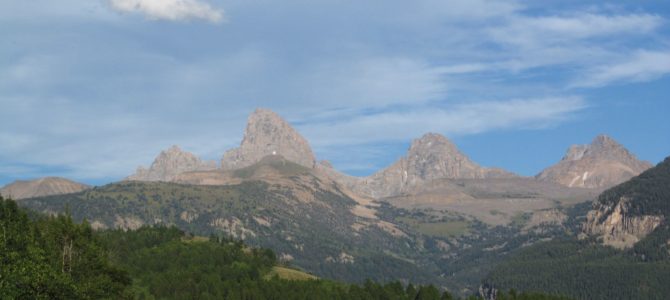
[[56, 258], [315, 224], [309, 222]]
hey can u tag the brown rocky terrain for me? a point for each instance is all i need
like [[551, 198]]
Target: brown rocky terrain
[[285, 174], [429, 158], [169, 163], [22, 189], [268, 134], [602, 164], [495, 201]]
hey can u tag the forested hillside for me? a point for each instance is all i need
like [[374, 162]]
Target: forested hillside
[[55, 258], [650, 192], [314, 229], [586, 269]]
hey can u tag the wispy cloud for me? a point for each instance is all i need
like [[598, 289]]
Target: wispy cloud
[[642, 66], [172, 10], [453, 120], [534, 31], [96, 94]]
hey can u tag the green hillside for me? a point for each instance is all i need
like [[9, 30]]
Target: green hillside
[[313, 235], [55, 258], [650, 192]]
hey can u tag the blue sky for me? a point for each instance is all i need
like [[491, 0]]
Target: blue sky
[[91, 89]]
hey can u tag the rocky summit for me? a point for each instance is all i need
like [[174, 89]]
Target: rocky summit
[[22, 189], [602, 164], [430, 157], [268, 134], [170, 163]]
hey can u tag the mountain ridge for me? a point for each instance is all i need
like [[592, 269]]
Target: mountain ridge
[[170, 163], [45, 186]]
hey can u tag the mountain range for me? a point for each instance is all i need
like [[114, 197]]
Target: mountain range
[[432, 216], [600, 165]]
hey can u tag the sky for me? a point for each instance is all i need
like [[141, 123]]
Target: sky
[[92, 89]]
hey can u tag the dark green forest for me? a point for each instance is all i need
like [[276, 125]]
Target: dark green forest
[[584, 270]]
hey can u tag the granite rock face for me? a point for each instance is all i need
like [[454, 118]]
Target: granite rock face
[[170, 163], [617, 227], [268, 134], [430, 157], [48, 186], [602, 164]]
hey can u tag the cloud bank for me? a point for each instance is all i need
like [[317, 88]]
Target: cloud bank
[[171, 10]]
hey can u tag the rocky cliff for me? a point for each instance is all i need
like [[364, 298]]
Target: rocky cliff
[[430, 157], [22, 189], [617, 227], [268, 134], [627, 213], [602, 164], [170, 163]]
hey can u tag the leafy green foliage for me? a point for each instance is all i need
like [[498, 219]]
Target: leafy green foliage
[[53, 258]]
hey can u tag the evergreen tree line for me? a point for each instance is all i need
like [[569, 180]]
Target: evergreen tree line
[[584, 269]]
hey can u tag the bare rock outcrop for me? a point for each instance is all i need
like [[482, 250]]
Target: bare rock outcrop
[[170, 163], [617, 227], [602, 164], [47, 186], [429, 158], [268, 134]]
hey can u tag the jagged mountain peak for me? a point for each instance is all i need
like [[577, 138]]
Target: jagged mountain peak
[[267, 133], [173, 149], [602, 146], [433, 143], [171, 162], [430, 157], [603, 140], [602, 163]]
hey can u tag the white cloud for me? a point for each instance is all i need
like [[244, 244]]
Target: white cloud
[[542, 30], [172, 10], [642, 66]]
